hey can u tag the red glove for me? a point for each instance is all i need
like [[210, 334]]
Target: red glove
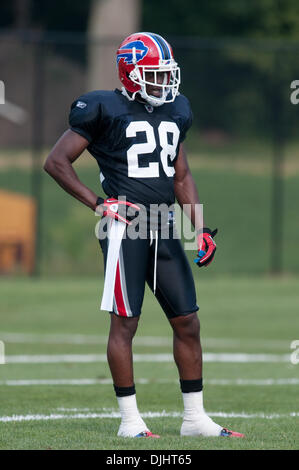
[[111, 207], [206, 247]]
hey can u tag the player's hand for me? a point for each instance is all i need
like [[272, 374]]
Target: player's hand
[[112, 207], [206, 247]]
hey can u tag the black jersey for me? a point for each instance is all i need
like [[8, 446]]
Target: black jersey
[[134, 144]]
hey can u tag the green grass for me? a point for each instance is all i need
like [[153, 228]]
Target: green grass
[[238, 315]]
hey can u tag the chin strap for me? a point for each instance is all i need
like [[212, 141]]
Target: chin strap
[[151, 101], [132, 98], [126, 94]]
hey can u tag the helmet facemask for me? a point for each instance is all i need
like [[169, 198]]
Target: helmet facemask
[[169, 87]]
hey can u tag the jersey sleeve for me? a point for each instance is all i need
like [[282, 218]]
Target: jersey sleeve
[[85, 116], [188, 119]]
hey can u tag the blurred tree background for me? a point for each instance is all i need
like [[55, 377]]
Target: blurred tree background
[[271, 19], [238, 66]]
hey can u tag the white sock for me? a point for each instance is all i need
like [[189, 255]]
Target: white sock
[[196, 421], [131, 421], [193, 404]]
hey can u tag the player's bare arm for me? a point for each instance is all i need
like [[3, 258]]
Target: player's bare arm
[[187, 196], [59, 165], [184, 186]]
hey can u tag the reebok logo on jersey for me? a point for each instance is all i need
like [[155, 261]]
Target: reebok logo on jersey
[[81, 104], [149, 108]]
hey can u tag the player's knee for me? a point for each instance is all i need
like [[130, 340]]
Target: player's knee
[[123, 328], [187, 326]]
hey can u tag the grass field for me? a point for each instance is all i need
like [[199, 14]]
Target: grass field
[[55, 388], [56, 392]]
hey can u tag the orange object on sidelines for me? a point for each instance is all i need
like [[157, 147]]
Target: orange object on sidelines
[[17, 232]]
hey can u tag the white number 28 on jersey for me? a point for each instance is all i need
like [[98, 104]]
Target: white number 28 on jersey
[[152, 169]]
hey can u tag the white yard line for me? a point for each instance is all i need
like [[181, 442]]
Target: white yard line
[[32, 338], [89, 358], [149, 414], [59, 338], [143, 381], [254, 382], [22, 383]]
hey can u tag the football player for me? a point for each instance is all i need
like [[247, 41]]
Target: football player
[[136, 135]]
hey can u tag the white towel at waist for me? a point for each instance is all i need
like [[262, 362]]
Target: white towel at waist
[[115, 235]]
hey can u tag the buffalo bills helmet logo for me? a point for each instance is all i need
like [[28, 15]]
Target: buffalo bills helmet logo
[[126, 52]]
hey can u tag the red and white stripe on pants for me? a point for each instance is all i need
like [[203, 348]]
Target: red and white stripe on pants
[[120, 301]]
